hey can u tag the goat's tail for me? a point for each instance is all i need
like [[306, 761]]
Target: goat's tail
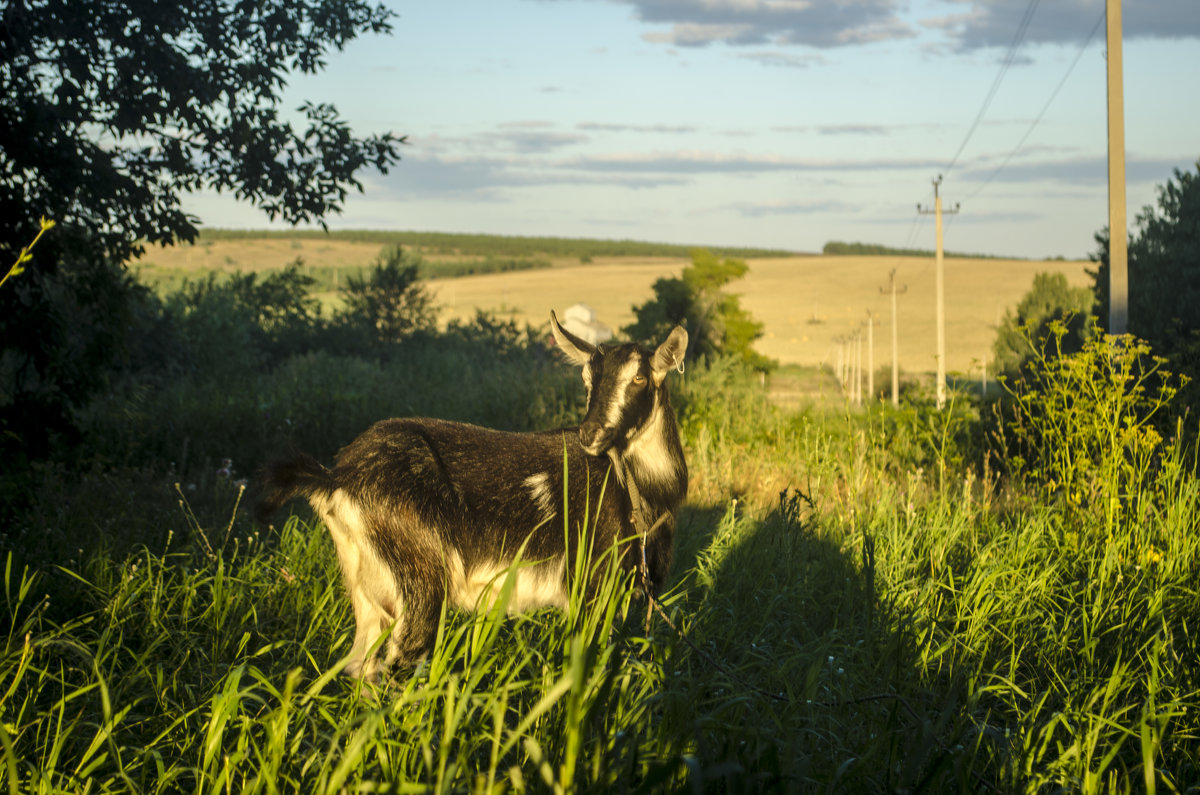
[[299, 476]]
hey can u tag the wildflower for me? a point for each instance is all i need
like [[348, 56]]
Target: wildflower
[[226, 470]]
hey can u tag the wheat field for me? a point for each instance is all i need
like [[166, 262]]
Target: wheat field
[[804, 302]]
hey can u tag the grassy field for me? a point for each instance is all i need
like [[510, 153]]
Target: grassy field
[[804, 301], [865, 611], [980, 599]]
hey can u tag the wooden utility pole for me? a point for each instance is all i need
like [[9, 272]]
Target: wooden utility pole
[[937, 211], [895, 339], [1118, 254]]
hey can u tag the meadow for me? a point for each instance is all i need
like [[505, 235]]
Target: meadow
[[994, 597]]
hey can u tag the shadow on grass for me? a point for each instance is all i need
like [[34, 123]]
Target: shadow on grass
[[800, 678]]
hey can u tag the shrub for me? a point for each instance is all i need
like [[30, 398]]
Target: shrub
[[244, 321], [716, 323], [1050, 299], [1082, 426], [388, 304]]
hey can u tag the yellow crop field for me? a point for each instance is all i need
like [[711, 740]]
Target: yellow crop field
[[805, 302]]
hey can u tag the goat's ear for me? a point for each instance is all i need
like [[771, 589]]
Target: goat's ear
[[576, 350], [669, 355]]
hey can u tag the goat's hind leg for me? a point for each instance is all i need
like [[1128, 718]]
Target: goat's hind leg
[[371, 621], [402, 600], [373, 592], [412, 583]]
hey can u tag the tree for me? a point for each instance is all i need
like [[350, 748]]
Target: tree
[[109, 113], [389, 304], [1164, 268], [716, 322], [1050, 299]]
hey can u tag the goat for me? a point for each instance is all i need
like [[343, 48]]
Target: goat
[[424, 511]]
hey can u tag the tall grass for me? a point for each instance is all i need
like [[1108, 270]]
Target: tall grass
[[874, 601], [220, 673]]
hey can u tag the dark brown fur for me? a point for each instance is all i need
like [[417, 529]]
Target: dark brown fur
[[425, 510]]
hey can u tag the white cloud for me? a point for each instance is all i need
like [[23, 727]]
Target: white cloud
[[967, 24], [975, 24], [819, 23], [761, 209], [599, 126], [784, 59], [710, 162]]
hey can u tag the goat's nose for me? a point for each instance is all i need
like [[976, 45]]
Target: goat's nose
[[594, 437]]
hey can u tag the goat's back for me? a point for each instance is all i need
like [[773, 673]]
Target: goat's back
[[479, 488]]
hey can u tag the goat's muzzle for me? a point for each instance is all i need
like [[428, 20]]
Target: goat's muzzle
[[596, 438]]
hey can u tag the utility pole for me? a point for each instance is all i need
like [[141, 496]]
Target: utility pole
[[941, 289], [895, 339], [841, 361], [1118, 254], [858, 365], [870, 355]]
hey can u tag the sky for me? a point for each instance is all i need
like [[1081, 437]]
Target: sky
[[768, 123]]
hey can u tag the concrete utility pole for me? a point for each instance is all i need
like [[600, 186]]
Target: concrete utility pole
[[870, 355], [937, 211], [895, 339], [841, 361], [858, 366], [1118, 254]]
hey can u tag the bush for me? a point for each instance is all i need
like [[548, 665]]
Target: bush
[[243, 322], [1163, 264], [65, 335], [1083, 429], [1051, 299], [716, 323], [388, 304]]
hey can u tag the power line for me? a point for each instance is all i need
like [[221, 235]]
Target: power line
[[1005, 64], [1042, 112]]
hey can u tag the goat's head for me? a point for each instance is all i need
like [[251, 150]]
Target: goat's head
[[625, 385]]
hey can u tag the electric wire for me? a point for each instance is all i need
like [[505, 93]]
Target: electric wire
[[1009, 57], [1042, 112]]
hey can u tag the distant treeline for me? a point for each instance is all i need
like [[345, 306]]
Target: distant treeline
[[498, 246], [838, 248]]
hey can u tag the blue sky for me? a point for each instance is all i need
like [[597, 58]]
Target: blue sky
[[778, 123]]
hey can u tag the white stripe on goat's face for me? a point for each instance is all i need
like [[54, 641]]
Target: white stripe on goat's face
[[620, 397]]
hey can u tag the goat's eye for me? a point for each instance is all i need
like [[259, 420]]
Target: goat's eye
[[639, 379]]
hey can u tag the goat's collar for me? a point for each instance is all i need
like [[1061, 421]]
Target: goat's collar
[[641, 521]]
